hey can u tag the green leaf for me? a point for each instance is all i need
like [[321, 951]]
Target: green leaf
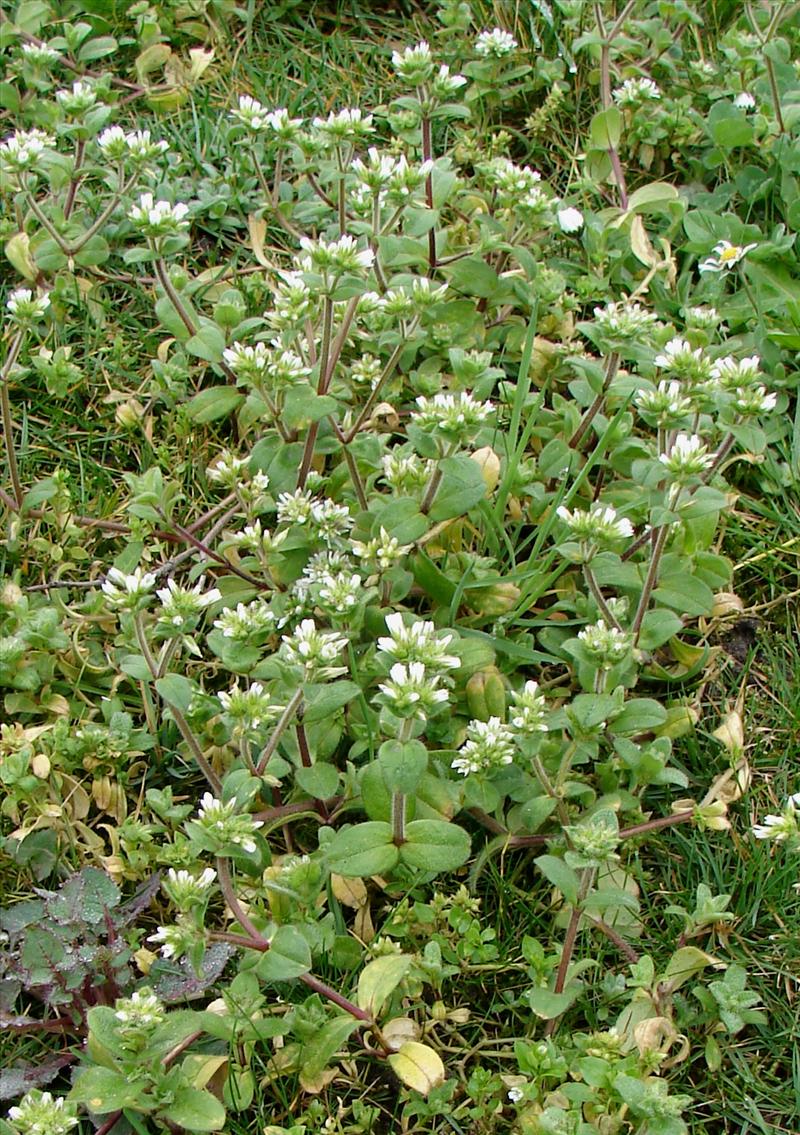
[[401, 517], [208, 343], [214, 403], [402, 764], [302, 405], [685, 593], [435, 845], [288, 957], [658, 627], [378, 981], [95, 251], [684, 964], [474, 277], [323, 701], [317, 1053], [176, 690], [195, 1110], [461, 487], [605, 129], [365, 849], [640, 715], [135, 666], [729, 126], [549, 1005], [103, 1090], [562, 877], [652, 198], [319, 781]]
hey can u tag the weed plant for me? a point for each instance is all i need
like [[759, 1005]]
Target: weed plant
[[382, 513]]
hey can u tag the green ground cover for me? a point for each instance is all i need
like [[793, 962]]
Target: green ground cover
[[399, 571]]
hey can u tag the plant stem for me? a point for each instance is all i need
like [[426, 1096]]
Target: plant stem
[[599, 598], [194, 745], [398, 818], [650, 581], [172, 295], [75, 180], [8, 422], [281, 726], [427, 156], [385, 375], [612, 363], [570, 938], [550, 789], [235, 906], [324, 353]]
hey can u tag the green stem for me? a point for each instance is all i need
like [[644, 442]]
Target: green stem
[[551, 790], [281, 726], [650, 581], [599, 598], [385, 375], [172, 295], [194, 746], [75, 180], [8, 422]]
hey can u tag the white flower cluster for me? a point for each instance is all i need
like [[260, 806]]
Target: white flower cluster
[[390, 180], [382, 552], [420, 665], [117, 145], [40, 1113], [684, 362], [606, 645], [21, 151], [279, 365], [158, 218], [599, 527], [349, 125], [127, 592], [665, 406], [634, 92], [783, 828], [246, 620], [226, 824], [333, 258], [530, 709], [292, 303], [489, 745], [25, 308], [189, 891], [495, 44], [457, 416], [249, 708], [687, 457], [141, 1011], [406, 473], [39, 54], [317, 652], [77, 100], [250, 113], [622, 320], [182, 606]]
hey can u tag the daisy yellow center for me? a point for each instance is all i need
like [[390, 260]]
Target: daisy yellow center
[[729, 254]]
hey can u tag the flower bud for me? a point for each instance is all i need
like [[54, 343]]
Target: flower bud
[[486, 695], [489, 464]]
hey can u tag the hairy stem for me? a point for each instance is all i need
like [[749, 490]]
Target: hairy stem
[[8, 421], [612, 364], [281, 725], [324, 353]]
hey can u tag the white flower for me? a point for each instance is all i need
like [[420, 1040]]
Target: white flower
[[226, 824], [381, 552], [636, 91], [294, 508], [21, 151], [530, 710], [316, 651], [600, 525], [77, 101], [784, 827], [127, 591], [158, 218], [704, 317], [24, 307], [668, 402], [605, 644], [340, 592], [181, 606], [348, 125], [495, 43], [249, 708], [283, 125], [406, 473], [570, 220], [444, 84], [731, 374], [490, 745], [187, 890], [251, 113], [142, 148], [411, 691], [457, 415], [683, 361], [727, 256], [744, 101], [227, 469], [753, 401], [417, 642], [335, 256], [255, 618], [622, 319], [142, 1010], [687, 457], [515, 1095], [39, 54], [414, 65], [172, 940], [38, 1113]]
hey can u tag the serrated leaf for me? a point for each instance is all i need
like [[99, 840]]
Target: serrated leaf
[[417, 1066]]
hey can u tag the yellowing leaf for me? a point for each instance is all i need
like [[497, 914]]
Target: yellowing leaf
[[378, 981], [257, 228], [640, 244], [418, 1067], [349, 892], [17, 250], [400, 1031]]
